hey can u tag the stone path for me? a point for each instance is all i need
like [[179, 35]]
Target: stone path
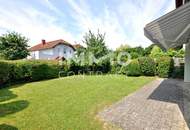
[[157, 106]]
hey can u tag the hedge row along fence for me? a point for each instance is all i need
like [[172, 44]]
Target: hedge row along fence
[[35, 70], [20, 71], [146, 66]]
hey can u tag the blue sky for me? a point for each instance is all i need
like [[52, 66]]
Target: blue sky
[[122, 20]]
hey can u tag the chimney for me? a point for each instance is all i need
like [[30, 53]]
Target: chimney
[[43, 42]]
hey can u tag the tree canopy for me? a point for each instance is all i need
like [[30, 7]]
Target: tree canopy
[[13, 46], [95, 44], [123, 47], [156, 52]]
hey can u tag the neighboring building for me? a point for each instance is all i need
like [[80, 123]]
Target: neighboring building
[[173, 30], [54, 50]]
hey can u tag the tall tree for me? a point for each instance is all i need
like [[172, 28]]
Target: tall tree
[[13, 46], [95, 44]]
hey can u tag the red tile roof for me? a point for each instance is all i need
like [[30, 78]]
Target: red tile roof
[[49, 45]]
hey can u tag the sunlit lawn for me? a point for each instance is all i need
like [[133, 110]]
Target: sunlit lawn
[[70, 103]]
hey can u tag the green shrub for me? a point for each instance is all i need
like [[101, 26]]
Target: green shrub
[[147, 66], [20, 71], [44, 70], [133, 69], [115, 68], [123, 70], [27, 70], [165, 66], [4, 72], [104, 66]]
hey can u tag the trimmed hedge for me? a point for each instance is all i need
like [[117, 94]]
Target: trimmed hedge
[[147, 66], [19, 71], [27, 70], [34, 70], [165, 66], [116, 68], [133, 69], [42, 71], [4, 72]]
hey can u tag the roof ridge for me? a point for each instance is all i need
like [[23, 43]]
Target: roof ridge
[[50, 44]]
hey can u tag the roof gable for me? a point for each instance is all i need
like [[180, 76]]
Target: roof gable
[[49, 45]]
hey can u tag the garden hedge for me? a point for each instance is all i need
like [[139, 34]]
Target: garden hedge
[[147, 66], [4, 72], [116, 68], [34, 70], [27, 70], [133, 69], [165, 66]]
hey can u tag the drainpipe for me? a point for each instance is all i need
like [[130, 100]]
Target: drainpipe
[[187, 63]]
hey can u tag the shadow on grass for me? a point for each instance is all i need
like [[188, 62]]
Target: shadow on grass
[[174, 91], [6, 94], [11, 107], [7, 127]]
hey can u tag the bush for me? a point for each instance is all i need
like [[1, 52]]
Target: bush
[[19, 71], [27, 70], [133, 69], [79, 66], [115, 68], [42, 71], [123, 70], [4, 72], [147, 66], [165, 66], [104, 65]]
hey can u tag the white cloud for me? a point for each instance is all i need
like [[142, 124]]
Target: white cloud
[[107, 23], [138, 14], [33, 24], [49, 5], [123, 23], [135, 15]]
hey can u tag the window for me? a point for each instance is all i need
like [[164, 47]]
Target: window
[[64, 50]]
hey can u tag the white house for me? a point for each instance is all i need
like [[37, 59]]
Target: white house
[[53, 50]]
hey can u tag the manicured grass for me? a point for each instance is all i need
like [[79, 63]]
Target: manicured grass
[[70, 103]]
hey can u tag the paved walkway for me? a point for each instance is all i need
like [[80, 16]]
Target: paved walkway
[[157, 106]]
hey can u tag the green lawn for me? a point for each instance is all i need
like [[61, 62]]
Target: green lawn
[[70, 103]]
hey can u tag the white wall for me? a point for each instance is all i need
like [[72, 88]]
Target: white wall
[[46, 54], [33, 55], [63, 51]]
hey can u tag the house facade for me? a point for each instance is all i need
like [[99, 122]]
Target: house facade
[[53, 50]]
